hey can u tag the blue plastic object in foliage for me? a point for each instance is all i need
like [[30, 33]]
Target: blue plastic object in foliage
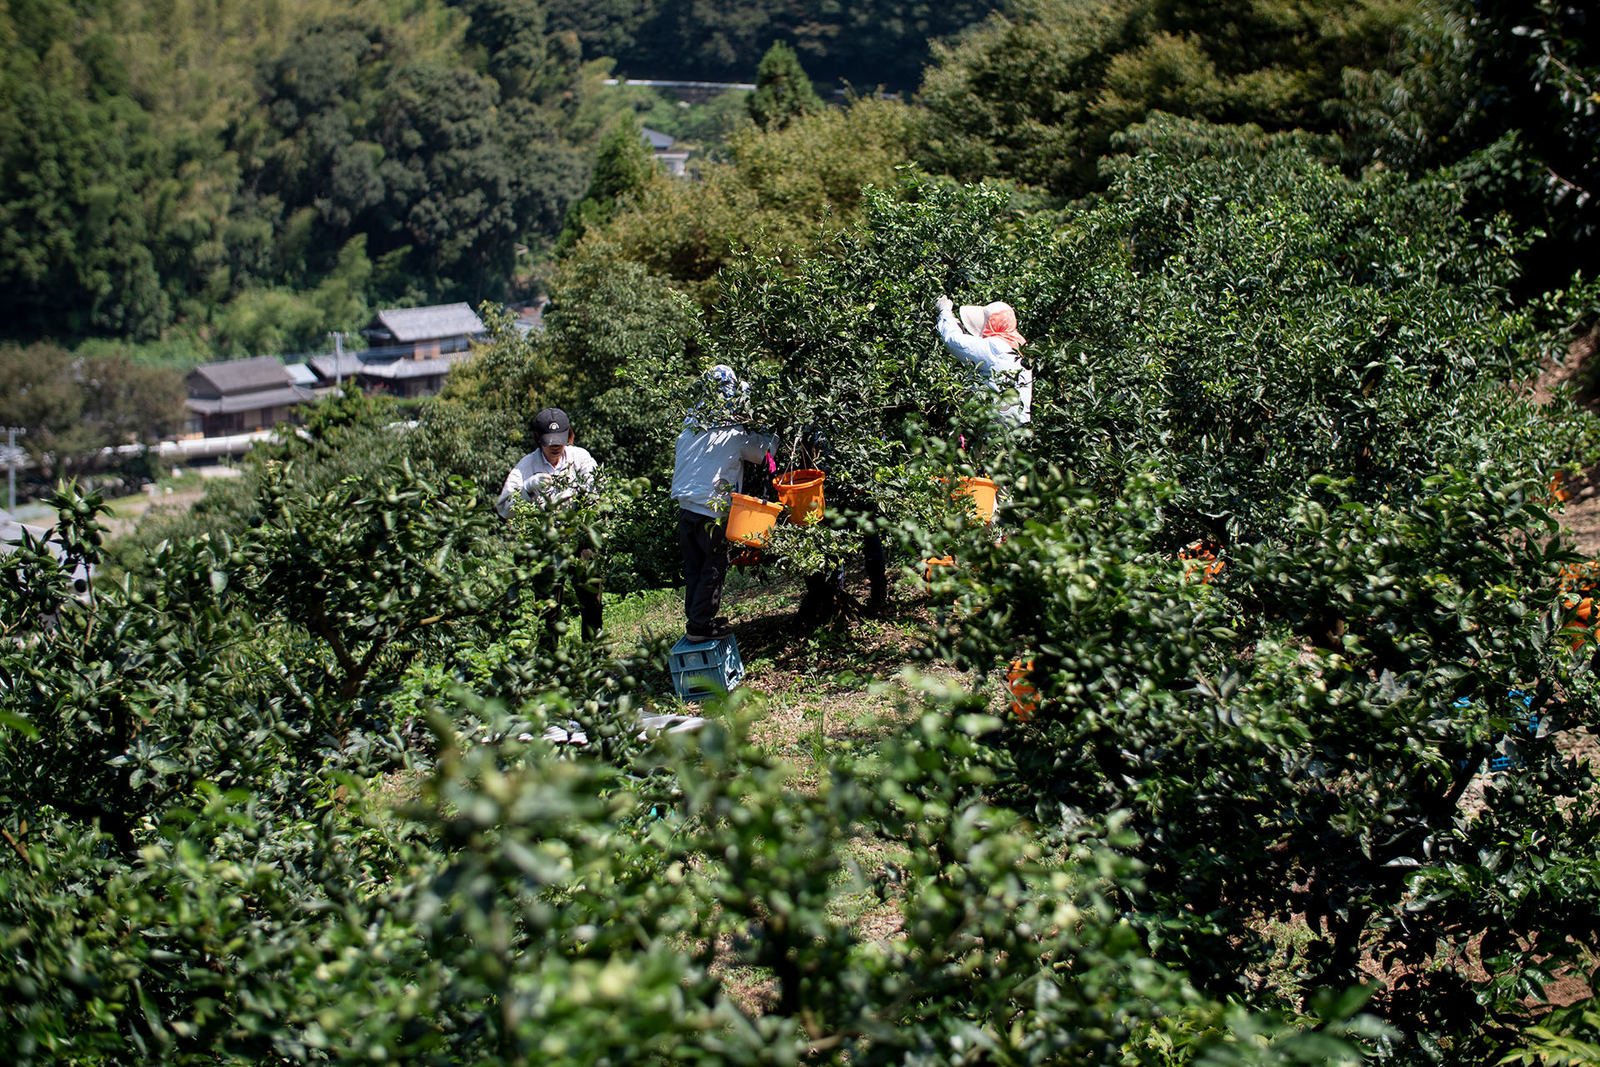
[[702, 669], [1506, 755]]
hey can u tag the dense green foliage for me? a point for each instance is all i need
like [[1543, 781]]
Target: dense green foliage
[[212, 166], [1520, 76], [72, 407], [1300, 777], [1309, 363], [783, 91], [863, 44], [256, 898], [1037, 92], [779, 193]]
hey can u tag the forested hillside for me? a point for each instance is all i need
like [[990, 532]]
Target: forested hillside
[[1254, 727], [868, 45], [258, 173]]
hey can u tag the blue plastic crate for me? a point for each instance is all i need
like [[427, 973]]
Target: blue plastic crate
[[1506, 755], [702, 669]]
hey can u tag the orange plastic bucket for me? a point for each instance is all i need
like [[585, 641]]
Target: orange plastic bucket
[[1581, 624], [802, 492], [1200, 561], [981, 492], [1019, 682], [750, 520]]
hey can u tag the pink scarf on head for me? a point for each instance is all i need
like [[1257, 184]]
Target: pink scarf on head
[[1002, 323]]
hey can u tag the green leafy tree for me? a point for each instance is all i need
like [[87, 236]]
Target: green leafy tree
[[159, 163], [519, 900], [1322, 698], [781, 193], [783, 91], [1506, 88], [623, 168], [870, 44], [72, 407], [1037, 92]]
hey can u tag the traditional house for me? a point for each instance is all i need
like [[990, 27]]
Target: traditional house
[[240, 396], [660, 144], [406, 377], [333, 371], [422, 333], [414, 348]]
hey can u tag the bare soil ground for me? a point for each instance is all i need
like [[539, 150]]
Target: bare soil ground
[[127, 512], [1580, 517]]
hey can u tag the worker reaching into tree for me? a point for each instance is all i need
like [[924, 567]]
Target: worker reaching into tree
[[986, 336], [708, 467], [556, 473]]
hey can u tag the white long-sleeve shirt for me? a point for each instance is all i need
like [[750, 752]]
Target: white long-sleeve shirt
[[534, 474], [997, 362], [709, 465]]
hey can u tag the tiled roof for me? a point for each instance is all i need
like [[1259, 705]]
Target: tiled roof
[[429, 323], [412, 368], [329, 369], [238, 376], [256, 401], [656, 139], [301, 373]]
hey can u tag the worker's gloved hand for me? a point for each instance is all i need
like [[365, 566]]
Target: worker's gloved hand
[[943, 304]]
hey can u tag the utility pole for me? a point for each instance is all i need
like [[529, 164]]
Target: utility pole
[[338, 363], [12, 432]]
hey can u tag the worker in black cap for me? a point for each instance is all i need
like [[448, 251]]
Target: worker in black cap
[[554, 474]]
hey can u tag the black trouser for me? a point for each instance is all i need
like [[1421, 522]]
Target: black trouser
[[864, 515], [872, 559], [872, 556], [704, 544], [588, 598]]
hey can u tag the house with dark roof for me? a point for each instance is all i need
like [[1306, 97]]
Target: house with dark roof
[[424, 333], [412, 349], [333, 370], [240, 396], [660, 145]]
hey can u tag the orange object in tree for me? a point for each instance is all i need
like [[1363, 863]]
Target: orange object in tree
[[1582, 621], [802, 492], [1200, 560], [1024, 695], [750, 520], [1579, 585], [981, 492]]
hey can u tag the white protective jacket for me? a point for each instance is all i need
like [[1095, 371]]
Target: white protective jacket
[[997, 362], [534, 475], [709, 465]]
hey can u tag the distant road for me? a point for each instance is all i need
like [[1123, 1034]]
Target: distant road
[[188, 449], [712, 87]]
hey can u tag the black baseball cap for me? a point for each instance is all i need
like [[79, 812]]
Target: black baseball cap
[[552, 427]]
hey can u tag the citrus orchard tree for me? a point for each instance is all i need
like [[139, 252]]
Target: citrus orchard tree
[[1338, 753], [234, 858]]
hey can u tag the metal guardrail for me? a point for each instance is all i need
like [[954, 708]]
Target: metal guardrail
[[188, 448]]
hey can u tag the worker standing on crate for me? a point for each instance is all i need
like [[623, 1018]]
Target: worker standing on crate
[[557, 473], [707, 468], [986, 337]]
